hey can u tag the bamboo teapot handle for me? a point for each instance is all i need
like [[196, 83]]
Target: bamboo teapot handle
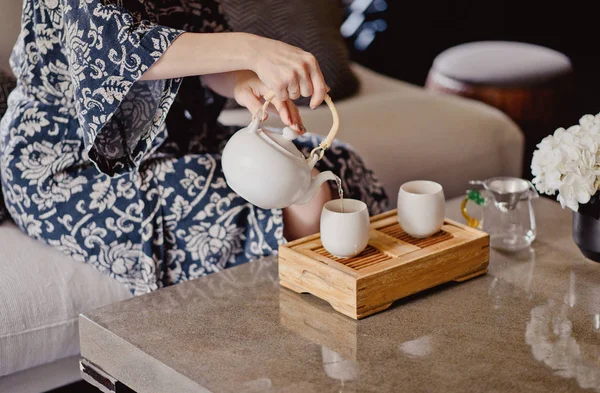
[[326, 143]]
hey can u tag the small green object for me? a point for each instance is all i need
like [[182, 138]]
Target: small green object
[[475, 196]]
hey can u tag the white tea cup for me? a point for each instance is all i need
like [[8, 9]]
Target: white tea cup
[[421, 208], [346, 234]]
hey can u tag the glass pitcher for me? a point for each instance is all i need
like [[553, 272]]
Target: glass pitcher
[[506, 211]]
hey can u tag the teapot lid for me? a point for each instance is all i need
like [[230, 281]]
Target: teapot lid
[[283, 138]]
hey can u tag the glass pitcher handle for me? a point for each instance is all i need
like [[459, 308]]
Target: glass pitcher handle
[[475, 196], [533, 192]]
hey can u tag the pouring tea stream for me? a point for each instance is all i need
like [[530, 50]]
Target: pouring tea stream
[[264, 167]]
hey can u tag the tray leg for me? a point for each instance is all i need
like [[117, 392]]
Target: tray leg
[[336, 306], [365, 313], [293, 287], [470, 275]]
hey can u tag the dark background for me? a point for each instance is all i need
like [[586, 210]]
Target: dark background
[[419, 30]]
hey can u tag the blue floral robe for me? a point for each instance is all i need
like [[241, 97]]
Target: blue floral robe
[[125, 174]]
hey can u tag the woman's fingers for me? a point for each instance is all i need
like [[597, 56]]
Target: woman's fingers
[[297, 124], [306, 86], [288, 111], [304, 78], [294, 88], [294, 115], [280, 87], [290, 115], [253, 103], [318, 83], [283, 110]]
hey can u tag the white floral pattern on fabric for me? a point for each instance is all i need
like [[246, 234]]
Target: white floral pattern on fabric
[[86, 162]]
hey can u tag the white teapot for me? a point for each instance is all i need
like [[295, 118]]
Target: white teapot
[[264, 166]]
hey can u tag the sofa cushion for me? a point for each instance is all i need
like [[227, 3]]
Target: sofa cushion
[[42, 292], [313, 25]]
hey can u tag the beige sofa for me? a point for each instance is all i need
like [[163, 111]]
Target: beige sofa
[[402, 131]]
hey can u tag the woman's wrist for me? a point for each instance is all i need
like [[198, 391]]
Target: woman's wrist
[[238, 50], [251, 54]]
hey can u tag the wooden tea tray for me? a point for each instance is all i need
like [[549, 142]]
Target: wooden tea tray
[[394, 265]]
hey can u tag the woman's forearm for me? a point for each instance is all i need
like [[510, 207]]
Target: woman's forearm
[[223, 83], [286, 70], [203, 54]]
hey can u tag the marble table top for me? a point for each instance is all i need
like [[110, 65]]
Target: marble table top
[[532, 324]]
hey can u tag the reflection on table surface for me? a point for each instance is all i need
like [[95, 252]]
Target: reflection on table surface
[[559, 320]]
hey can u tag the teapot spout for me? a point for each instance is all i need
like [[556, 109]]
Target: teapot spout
[[314, 186]]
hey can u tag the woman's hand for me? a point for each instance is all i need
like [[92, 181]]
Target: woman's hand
[[287, 70], [249, 91]]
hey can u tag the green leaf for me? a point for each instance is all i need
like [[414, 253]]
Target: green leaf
[[475, 196]]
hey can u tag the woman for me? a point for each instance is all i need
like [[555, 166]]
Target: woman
[[110, 156]]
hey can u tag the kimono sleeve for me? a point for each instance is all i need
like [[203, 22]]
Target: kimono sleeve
[[108, 51]]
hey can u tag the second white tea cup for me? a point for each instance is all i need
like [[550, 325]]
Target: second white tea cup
[[346, 234], [421, 208]]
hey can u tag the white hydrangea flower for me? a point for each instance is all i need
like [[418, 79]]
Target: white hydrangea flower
[[576, 189], [568, 162]]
